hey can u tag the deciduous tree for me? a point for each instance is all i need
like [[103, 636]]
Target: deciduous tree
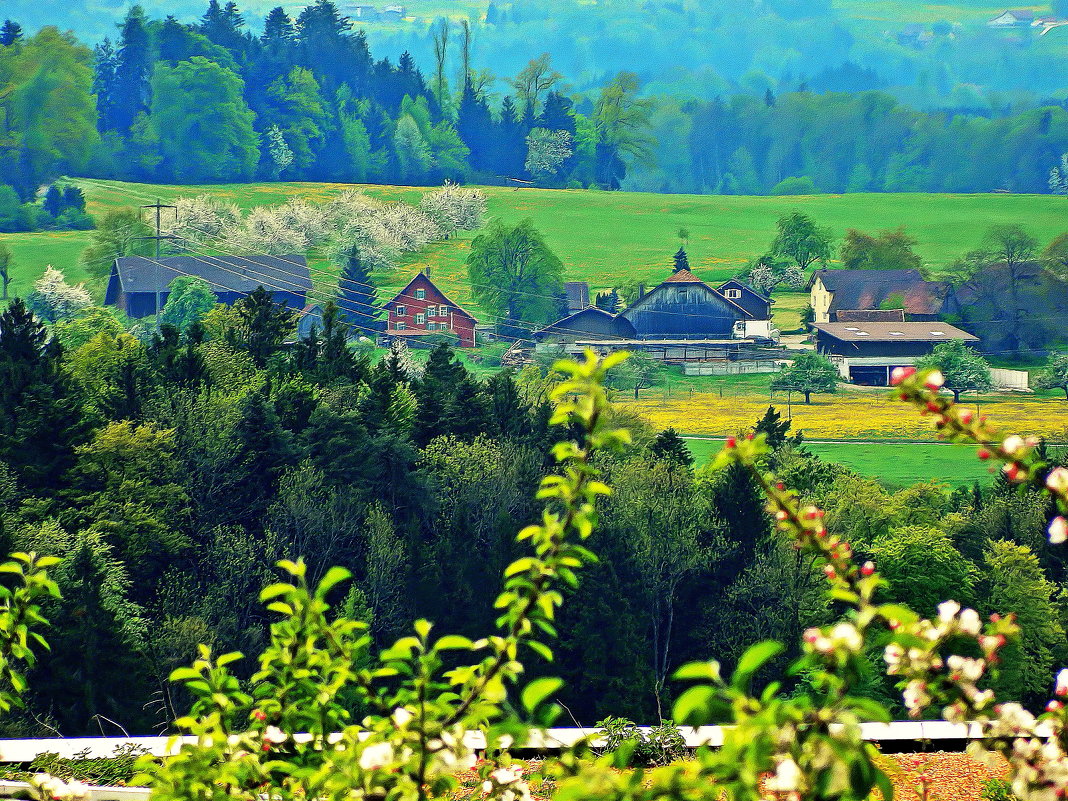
[[810, 372]]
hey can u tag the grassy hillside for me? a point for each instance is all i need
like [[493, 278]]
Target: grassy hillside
[[611, 237]]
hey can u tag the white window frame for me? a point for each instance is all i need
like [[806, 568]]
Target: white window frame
[[402, 326], [732, 294], [443, 326], [431, 311], [420, 294], [401, 311], [420, 319]]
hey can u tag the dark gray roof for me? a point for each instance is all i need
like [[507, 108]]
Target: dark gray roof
[[224, 273], [869, 289], [578, 295]]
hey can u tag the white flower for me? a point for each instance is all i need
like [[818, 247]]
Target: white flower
[[935, 380], [847, 635], [970, 622], [947, 610], [376, 755], [1057, 480], [401, 716], [1013, 445], [505, 776], [273, 734], [787, 777], [1058, 530], [1061, 686], [916, 696]]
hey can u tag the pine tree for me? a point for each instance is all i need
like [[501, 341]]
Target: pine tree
[[73, 198], [131, 92], [40, 418], [682, 261], [104, 64], [607, 301], [278, 28], [261, 450], [670, 447], [357, 295], [262, 326], [10, 33]]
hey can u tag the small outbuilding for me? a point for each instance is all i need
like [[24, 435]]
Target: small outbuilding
[[590, 324]]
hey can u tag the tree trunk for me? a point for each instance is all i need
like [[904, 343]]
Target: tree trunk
[[808, 396], [1065, 386], [956, 395], [6, 280]]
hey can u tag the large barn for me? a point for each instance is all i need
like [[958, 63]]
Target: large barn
[[139, 286], [685, 307]]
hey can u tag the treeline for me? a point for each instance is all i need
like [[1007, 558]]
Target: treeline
[[172, 471], [306, 100]]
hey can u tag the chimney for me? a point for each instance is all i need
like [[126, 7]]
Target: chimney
[[641, 291]]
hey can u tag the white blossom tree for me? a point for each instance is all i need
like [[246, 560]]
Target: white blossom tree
[[53, 299], [547, 151]]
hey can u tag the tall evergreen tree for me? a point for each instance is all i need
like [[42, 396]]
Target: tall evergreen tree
[[262, 326], [357, 295], [40, 418], [104, 64], [131, 91], [682, 261], [278, 28], [10, 33]]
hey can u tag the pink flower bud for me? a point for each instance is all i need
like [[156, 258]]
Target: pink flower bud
[[934, 381], [984, 454], [867, 569], [966, 416], [900, 374]]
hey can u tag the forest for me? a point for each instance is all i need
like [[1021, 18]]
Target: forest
[[233, 99], [172, 472]]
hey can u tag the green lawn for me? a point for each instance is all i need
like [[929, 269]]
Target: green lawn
[[611, 237], [894, 464]]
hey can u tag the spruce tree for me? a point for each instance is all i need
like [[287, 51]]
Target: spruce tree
[[262, 326], [40, 417], [10, 33], [682, 261], [104, 65], [357, 295], [130, 93], [670, 447], [261, 450], [278, 28]]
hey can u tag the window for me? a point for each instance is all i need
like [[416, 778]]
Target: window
[[420, 294], [401, 311], [431, 311], [733, 294], [443, 311], [431, 326], [863, 334], [420, 319], [681, 295], [402, 326], [443, 326], [938, 333], [896, 334]]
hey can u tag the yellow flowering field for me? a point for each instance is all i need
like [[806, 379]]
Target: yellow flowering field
[[843, 416]]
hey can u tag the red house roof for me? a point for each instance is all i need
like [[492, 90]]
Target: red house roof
[[423, 278]]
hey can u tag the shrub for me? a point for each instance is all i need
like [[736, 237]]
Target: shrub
[[661, 745], [802, 185]]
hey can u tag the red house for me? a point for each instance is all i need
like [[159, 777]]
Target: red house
[[421, 309]]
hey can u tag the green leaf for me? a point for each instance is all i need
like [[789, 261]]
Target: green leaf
[[535, 693], [691, 707], [753, 659], [274, 590], [698, 671], [453, 642], [333, 577]]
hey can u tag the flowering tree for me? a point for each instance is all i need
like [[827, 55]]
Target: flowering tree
[[53, 299], [455, 208]]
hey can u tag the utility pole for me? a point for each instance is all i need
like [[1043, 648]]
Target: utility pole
[[158, 238]]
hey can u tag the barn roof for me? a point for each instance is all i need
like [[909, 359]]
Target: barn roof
[[578, 295], [572, 324], [223, 273], [686, 277], [894, 332]]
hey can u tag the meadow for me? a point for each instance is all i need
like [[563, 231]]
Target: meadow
[[606, 238], [895, 464]]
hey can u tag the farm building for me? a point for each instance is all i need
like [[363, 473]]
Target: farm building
[[685, 307], [834, 291], [421, 309], [138, 286], [867, 353], [1015, 18], [759, 306], [590, 324], [578, 295]]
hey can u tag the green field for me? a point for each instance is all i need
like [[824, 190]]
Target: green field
[[895, 464], [611, 237]]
